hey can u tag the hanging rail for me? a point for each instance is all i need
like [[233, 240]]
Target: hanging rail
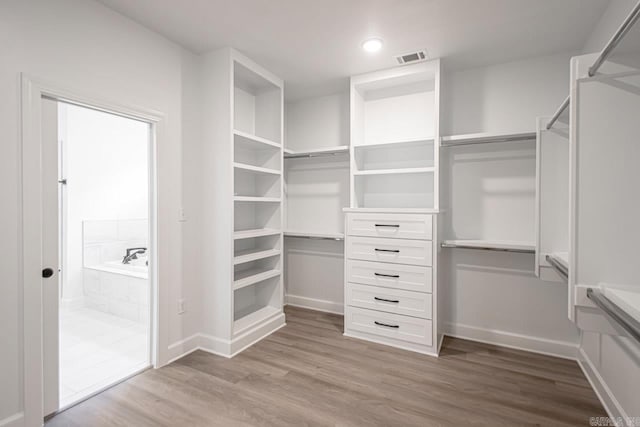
[[561, 269], [486, 247], [558, 113], [628, 323], [485, 138], [616, 39]]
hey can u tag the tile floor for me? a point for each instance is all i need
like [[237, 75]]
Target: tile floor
[[96, 350]]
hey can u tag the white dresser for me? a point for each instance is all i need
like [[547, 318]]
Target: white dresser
[[390, 280]]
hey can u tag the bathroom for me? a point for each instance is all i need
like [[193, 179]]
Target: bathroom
[[105, 292]]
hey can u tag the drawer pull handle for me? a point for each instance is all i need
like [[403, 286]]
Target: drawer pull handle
[[395, 276], [395, 301], [395, 251], [386, 325], [388, 225]]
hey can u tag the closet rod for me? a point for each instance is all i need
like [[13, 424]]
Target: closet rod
[[628, 323], [558, 113], [337, 239], [616, 39], [310, 155], [486, 248], [561, 269]]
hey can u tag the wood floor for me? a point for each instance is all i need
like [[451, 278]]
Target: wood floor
[[309, 374]]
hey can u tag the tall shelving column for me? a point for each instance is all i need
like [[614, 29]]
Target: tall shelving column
[[391, 225], [243, 211]]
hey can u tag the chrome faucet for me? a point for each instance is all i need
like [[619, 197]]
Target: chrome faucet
[[132, 253]]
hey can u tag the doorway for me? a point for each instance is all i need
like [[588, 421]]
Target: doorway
[[97, 314]]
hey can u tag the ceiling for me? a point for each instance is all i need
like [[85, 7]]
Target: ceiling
[[315, 45]]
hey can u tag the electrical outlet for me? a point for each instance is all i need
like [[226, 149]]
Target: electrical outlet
[[182, 306], [182, 217]]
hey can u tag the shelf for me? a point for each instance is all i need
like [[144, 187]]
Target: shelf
[[256, 199], [491, 245], [626, 297], [254, 318], [250, 139], [254, 255], [393, 171], [256, 169], [252, 276], [319, 152], [259, 232], [401, 141], [482, 138], [310, 235]]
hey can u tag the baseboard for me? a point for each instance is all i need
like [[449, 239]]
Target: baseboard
[[220, 347], [602, 390], [181, 348], [562, 349], [16, 420], [314, 304]]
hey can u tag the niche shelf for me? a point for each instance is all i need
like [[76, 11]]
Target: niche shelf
[[252, 276], [394, 171], [256, 199], [253, 141], [258, 232], [248, 255], [256, 169]]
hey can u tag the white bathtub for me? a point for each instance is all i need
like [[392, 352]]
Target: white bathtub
[[137, 268]]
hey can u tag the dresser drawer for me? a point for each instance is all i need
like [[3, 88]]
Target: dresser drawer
[[389, 325], [394, 226], [396, 301], [415, 252], [398, 276]]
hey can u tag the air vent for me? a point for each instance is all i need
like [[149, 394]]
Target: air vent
[[408, 58]]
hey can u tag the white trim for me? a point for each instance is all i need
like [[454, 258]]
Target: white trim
[[181, 348], [30, 243], [15, 420], [314, 304], [562, 349], [602, 390]]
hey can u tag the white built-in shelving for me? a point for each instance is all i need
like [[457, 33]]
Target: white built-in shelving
[[243, 212], [394, 126]]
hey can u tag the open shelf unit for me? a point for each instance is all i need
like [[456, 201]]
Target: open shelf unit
[[394, 126], [243, 211]]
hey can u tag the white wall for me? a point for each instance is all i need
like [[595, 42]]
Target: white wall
[[105, 158], [84, 46], [610, 21], [488, 192], [316, 190]]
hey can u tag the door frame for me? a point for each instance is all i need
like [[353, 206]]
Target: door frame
[[31, 238]]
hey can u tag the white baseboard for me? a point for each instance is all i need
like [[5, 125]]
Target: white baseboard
[[16, 420], [565, 350], [220, 347], [608, 400], [315, 304], [181, 348]]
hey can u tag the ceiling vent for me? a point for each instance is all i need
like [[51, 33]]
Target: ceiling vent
[[411, 57]]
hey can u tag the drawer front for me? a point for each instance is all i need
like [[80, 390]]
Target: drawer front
[[413, 252], [394, 226], [389, 300], [389, 325], [398, 276]]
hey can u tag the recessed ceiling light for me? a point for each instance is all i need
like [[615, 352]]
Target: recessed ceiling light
[[372, 45]]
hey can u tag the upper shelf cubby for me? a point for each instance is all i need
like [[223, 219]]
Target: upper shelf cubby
[[396, 105], [257, 105]]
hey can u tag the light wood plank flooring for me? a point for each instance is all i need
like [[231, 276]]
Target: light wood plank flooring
[[309, 374]]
